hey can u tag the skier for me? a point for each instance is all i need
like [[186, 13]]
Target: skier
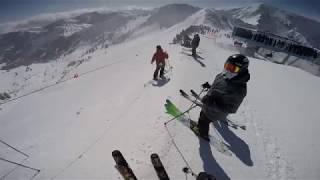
[[159, 56], [195, 43], [226, 93]]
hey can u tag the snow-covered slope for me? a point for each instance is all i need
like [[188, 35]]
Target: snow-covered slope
[[70, 129]]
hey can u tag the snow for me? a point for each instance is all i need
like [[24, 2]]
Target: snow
[[254, 20], [70, 129], [70, 29], [249, 15]]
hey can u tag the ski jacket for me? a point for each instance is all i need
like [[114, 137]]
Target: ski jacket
[[225, 96], [160, 57]]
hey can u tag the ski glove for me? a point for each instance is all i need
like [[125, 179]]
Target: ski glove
[[206, 85]]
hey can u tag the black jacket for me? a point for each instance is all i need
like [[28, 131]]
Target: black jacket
[[225, 95]]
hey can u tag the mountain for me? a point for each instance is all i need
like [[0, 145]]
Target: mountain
[[170, 15], [64, 36], [40, 44], [43, 41]]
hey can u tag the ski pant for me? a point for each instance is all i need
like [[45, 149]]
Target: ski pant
[[160, 67], [204, 122], [194, 52]]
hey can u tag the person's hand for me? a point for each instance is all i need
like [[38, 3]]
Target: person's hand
[[206, 85]]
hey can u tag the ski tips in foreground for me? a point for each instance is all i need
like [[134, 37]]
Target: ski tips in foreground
[[122, 166], [158, 166], [172, 109]]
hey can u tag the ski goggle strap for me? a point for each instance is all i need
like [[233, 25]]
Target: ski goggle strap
[[231, 67]]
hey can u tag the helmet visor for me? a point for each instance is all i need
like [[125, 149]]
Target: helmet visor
[[231, 68]]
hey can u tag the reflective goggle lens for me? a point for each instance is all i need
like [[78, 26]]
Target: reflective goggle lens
[[231, 68]]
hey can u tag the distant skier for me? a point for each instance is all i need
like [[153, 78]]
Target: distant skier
[[159, 56], [225, 94], [194, 44]]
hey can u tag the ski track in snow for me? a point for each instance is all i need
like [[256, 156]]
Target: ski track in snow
[[276, 165], [101, 137]]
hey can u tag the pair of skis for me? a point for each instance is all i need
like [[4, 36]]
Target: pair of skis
[[197, 100], [193, 126], [172, 109], [126, 172]]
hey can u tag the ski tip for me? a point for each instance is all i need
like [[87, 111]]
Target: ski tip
[[115, 152], [154, 155], [182, 92], [168, 101]]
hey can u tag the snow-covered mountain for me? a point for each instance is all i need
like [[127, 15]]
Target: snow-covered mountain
[[68, 125], [64, 36], [37, 44]]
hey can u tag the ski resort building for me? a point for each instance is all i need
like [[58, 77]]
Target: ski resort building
[[259, 39]]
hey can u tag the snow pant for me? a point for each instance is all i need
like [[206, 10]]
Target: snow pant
[[204, 122], [194, 51], [160, 67]]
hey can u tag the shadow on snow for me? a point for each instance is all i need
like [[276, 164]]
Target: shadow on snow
[[237, 145], [210, 165], [161, 82], [195, 58]]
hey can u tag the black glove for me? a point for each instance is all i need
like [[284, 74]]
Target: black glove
[[206, 85]]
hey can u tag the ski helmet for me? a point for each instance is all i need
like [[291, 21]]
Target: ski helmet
[[234, 65]]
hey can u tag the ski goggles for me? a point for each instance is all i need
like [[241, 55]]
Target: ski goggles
[[231, 67]]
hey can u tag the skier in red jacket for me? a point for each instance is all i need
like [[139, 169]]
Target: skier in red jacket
[[159, 56]]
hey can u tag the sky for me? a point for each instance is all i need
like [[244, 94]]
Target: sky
[[12, 10]]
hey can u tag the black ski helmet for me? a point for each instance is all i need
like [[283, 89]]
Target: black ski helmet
[[239, 60]]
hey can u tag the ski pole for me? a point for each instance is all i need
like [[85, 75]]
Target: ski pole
[[13, 148], [191, 107], [199, 96], [187, 170], [38, 170], [177, 148]]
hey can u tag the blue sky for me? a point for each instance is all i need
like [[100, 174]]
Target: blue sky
[[11, 10]]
